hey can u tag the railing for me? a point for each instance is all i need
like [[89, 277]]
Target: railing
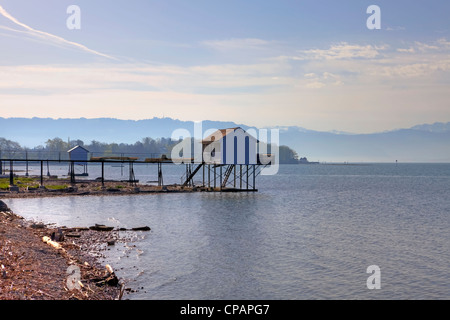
[[27, 155]]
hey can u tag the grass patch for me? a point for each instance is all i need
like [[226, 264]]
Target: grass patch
[[19, 181], [24, 182], [57, 187]]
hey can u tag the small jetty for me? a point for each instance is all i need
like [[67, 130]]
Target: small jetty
[[228, 163]]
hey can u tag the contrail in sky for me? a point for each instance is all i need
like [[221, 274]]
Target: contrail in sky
[[50, 36]]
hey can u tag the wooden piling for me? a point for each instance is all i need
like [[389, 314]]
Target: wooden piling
[[11, 173], [42, 172], [103, 173]]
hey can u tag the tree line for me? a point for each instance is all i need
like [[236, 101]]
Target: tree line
[[57, 148]]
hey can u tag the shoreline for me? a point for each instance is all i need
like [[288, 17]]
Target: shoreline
[[108, 188], [91, 188], [55, 187], [35, 267]]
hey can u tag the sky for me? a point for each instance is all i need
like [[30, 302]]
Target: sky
[[313, 64]]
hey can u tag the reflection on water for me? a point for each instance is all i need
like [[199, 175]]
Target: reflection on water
[[309, 233]]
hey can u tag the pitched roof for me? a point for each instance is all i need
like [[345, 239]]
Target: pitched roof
[[76, 147], [223, 132]]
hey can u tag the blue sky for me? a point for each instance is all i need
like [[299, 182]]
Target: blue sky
[[313, 64]]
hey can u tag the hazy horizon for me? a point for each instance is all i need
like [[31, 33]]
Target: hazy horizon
[[421, 143], [309, 64], [336, 131]]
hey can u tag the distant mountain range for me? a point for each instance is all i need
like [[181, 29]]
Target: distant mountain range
[[436, 127], [421, 143]]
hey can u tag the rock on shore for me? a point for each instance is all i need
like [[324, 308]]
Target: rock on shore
[[4, 207]]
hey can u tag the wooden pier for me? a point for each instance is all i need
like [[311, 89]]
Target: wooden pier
[[198, 176], [228, 162]]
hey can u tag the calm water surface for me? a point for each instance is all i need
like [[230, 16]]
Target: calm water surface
[[309, 233]]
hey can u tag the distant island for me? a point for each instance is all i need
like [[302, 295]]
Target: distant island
[[290, 156]]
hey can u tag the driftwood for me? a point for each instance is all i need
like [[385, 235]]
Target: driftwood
[[52, 243], [101, 227], [146, 228], [73, 235], [22, 259], [109, 269], [38, 226], [110, 278]]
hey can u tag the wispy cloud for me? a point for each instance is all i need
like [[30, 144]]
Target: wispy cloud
[[353, 86], [48, 36], [315, 81], [417, 61], [343, 51], [408, 50], [236, 43], [396, 28]]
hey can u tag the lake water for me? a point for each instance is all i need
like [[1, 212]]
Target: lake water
[[309, 233]]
